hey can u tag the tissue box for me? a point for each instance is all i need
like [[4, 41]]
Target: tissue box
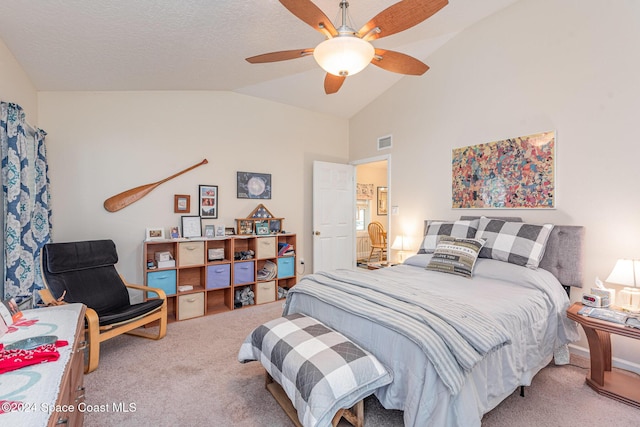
[[607, 296], [163, 256]]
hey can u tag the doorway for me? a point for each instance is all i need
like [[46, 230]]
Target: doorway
[[372, 205]]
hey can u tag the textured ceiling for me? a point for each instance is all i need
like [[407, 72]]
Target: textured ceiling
[[108, 45]]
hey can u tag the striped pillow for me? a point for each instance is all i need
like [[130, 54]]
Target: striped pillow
[[514, 242], [456, 256], [437, 229]]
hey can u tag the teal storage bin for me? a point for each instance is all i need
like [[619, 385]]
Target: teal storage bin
[[286, 267], [165, 280]]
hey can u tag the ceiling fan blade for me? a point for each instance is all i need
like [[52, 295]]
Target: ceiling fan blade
[[333, 83], [400, 16], [282, 55], [399, 63], [308, 12]]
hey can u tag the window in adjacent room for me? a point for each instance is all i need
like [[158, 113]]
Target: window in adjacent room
[[363, 214]]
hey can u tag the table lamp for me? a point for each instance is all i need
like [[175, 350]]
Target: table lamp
[[402, 243], [626, 272]]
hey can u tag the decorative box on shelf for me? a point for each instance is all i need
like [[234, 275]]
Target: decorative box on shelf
[[165, 260], [163, 256], [260, 221], [166, 264]]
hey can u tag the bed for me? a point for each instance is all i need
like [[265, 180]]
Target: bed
[[456, 346]]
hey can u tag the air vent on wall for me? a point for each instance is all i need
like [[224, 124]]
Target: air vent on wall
[[384, 142]]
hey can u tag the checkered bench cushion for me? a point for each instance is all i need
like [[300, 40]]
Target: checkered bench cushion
[[320, 370]]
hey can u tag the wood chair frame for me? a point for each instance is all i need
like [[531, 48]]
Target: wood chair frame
[[378, 240], [95, 334]]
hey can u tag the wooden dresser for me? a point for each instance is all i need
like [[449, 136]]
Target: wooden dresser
[[49, 393]]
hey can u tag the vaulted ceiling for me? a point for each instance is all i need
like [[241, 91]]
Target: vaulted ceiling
[[124, 45]]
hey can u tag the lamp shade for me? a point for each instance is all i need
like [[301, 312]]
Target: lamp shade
[[344, 55], [402, 243], [626, 272]]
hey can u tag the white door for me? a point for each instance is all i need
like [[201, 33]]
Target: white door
[[333, 216]]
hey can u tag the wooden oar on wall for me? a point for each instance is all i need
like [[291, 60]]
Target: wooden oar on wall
[[124, 199]]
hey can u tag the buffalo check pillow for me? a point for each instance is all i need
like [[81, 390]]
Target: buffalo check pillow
[[455, 256], [437, 229], [514, 242], [319, 369]]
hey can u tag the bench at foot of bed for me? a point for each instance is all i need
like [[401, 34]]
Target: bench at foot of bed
[[314, 372]]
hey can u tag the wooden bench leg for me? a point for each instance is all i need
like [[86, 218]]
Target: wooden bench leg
[[355, 415]]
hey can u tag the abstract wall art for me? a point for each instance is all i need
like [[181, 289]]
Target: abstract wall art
[[512, 173]]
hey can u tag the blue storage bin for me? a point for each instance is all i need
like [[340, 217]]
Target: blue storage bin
[[165, 280], [218, 276], [286, 267], [243, 272]]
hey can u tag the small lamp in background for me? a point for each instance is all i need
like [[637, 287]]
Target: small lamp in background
[[626, 272], [402, 243]]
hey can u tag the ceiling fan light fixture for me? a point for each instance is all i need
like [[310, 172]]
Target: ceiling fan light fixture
[[344, 55]]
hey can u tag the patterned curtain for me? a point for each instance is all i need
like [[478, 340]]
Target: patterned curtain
[[25, 191], [364, 191]]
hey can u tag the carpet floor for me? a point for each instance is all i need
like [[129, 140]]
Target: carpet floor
[[192, 378]]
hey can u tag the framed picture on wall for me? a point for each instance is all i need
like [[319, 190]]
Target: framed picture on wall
[[182, 203], [382, 200], [522, 176], [208, 201], [253, 185]]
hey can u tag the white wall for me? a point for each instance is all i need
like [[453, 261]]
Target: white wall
[[15, 85], [564, 65], [102, 143]]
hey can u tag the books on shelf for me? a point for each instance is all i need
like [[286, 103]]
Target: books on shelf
[[285, 249]]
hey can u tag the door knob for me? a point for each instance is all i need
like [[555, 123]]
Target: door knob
[[316, 233]]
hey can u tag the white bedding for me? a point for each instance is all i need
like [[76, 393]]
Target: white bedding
[[529, 304]]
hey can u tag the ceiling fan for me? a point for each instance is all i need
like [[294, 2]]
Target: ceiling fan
[[347, 51]]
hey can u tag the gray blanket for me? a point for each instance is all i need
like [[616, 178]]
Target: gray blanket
[[453, 336]]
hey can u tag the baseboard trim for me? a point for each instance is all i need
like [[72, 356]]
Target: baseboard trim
[[616, 362]]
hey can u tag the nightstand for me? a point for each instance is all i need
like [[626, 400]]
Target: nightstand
[[613, 384]]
